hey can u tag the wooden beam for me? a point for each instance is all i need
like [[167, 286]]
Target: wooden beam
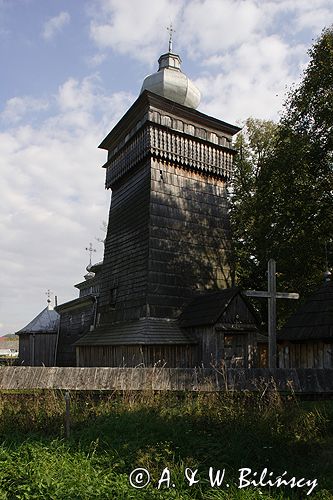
[[271, 294], [263, 294], [272, 314]]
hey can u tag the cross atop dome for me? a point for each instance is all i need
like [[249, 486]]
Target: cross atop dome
[[170, 82], [171, 31]]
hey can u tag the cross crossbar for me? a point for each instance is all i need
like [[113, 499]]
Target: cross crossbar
[[267, 295]]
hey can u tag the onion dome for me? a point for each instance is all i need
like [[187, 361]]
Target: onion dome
[[170, 82]]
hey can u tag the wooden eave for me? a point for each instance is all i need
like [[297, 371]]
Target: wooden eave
[[148, 100], [76, 303], [88, 283]]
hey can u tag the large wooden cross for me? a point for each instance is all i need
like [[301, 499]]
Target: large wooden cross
[[271, 295]]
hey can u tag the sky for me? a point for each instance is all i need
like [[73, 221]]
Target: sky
[[69, 71]]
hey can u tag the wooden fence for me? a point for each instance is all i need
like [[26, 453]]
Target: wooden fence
[[306, 381]]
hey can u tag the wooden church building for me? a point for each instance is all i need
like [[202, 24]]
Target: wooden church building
[[78, 316], [37, 340], [168, 240]]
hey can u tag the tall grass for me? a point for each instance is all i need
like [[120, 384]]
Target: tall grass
[[114, 433]]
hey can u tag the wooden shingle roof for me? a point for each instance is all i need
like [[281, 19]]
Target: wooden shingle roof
[[215, 307], [45, 322], [314, 319], [144, 331]]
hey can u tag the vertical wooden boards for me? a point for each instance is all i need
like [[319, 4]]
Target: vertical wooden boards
[[181, 356], [37, 350], [312, 354]]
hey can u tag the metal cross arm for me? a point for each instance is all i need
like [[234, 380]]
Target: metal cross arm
[[90, 249], [171, 31]]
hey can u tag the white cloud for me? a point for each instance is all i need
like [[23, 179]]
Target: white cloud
[[315, 18], [17, 107], [294, 16], [251, 81], [136, 28], [52, 198], [212, 26], [248, 46], [55, 25], [96, 59]]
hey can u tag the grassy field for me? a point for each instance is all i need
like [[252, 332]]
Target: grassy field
[[113, 434]]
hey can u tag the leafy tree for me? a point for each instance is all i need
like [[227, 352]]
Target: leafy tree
[[281, 202], [309, 107], [256, 143]]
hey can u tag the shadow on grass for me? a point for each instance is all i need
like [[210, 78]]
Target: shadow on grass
[[118, 433]]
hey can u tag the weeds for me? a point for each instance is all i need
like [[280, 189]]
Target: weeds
[[114, 433]]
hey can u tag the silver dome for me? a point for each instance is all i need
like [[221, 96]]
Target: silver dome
[[170, 82]]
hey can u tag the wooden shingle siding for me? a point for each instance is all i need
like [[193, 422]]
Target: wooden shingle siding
[[168, 235], [126, 248], [189, 237]]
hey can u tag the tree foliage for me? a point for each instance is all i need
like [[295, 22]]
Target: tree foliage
[[282, 194]]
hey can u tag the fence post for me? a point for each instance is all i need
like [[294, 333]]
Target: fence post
[[67, 415]]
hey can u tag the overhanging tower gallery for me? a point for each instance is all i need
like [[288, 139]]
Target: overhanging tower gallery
[[168, 237]]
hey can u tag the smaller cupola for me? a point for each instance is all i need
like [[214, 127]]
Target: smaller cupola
[[170, 82]]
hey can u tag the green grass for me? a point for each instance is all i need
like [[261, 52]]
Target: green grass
[[112, 434]]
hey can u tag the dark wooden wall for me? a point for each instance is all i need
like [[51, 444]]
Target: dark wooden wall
[[238, 312], [74, 323], [181, 356], [224, 348], [168, 238], [37, 350], [189, 241], [311, 354], [124, 275]]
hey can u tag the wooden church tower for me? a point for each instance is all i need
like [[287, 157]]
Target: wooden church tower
[[168, 235]]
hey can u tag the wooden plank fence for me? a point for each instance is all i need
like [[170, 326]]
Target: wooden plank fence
[[306, 381]]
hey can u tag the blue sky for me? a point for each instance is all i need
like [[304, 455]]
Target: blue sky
[[71, 68]]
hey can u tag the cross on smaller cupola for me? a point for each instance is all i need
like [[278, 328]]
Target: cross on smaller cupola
[[171, 31], [49, 300], [90, 249]]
